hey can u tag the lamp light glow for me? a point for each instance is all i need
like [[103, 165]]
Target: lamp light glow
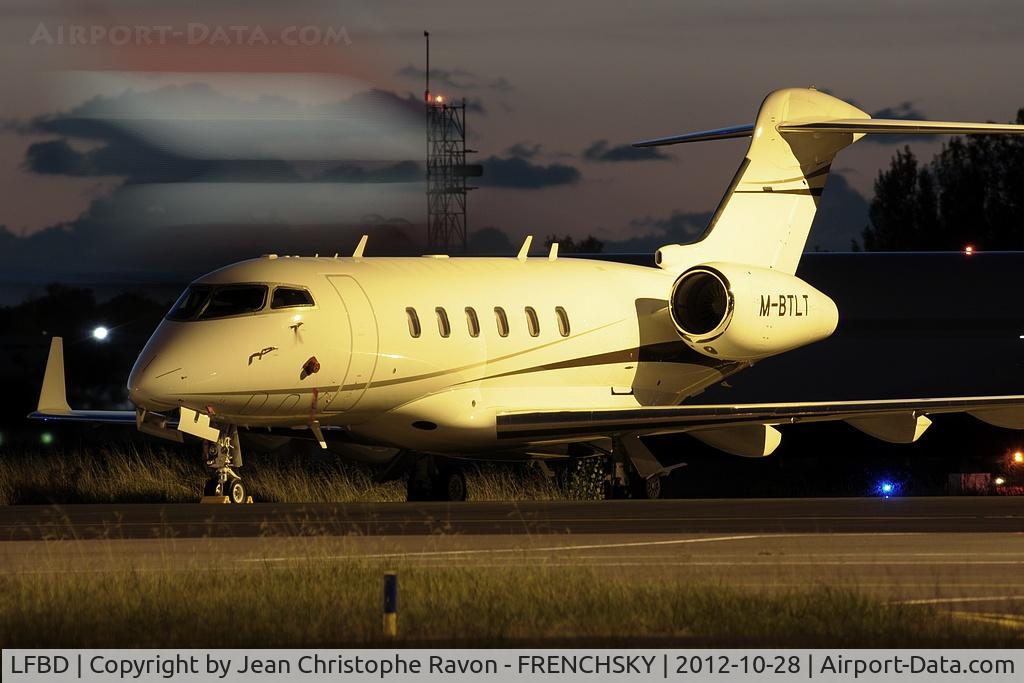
[[100, 333]]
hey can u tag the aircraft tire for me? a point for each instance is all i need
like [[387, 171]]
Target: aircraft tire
[[451, 486], [235, 491]]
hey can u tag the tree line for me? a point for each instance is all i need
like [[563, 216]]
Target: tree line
[[970, 193]]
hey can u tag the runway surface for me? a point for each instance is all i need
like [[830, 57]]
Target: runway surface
[[821, 515], [961, 554]]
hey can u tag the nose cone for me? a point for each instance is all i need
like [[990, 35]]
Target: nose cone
[[158, 378]]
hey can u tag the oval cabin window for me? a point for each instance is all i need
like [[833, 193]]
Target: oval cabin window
[[532, 323], [414, 322], [444, 328], [472, 322], [563, 321], [502, 321]]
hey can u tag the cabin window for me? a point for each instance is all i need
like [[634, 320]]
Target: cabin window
[[472, 322], [443, 327], [563, 321], [414, 322], [532, 323], [234, 300], [290, 297], [502, 320]]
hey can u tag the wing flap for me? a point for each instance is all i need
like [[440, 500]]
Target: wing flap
[[540, 426]]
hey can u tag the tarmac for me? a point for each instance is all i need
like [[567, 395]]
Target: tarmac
[[961, 554]]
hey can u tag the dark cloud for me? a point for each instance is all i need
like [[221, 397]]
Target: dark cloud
[[600, 151], [680, 227], [132, 236], [132, 151], [490, 241], [457, 79], [517, 172], [524, 150], [137, 161], [357, 172], [841, 218], [904, 111]]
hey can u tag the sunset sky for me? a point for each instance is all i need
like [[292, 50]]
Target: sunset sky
[[183, 135]]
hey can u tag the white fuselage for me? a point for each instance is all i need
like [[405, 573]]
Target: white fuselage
[[614, 347]]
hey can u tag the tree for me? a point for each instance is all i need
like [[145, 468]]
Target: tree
[[972, 192], [567, 245]]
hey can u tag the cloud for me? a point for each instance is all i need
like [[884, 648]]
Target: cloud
[[524, 150], [517, 172], [490, 241], [137, 161], [176, 132], [842, 216], [456, 79], [355, 172], [904, 111], [600, 151]]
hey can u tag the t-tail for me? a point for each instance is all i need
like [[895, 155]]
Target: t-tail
[[766, 214]]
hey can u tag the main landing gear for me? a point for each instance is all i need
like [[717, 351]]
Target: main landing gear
[[224, 458], [433, 479]]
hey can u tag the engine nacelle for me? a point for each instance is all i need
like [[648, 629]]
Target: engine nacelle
[[737, 312]]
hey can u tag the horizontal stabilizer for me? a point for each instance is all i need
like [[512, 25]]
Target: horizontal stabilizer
[[899, 126], [856, 126], [743, 131]]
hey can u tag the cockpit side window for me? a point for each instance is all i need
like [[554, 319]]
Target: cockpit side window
[[234, 300], [190, 302], [290, 297]]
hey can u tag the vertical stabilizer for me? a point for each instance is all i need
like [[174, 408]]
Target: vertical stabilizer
[[766, 214]]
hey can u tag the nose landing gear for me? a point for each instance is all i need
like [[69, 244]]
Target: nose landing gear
[[224, 457]]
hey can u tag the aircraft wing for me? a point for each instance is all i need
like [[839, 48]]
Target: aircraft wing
[[749, 429], [53, 404]]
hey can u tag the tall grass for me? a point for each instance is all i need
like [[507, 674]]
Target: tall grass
[[338, 603], [130, 474]]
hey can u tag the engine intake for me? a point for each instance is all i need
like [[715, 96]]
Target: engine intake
[[701, 302], [737, 312]]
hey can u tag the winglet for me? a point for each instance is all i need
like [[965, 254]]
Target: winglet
[[553, 254], [361, 247], [525, 249], [53, 397]]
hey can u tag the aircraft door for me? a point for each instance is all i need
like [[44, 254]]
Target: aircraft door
[[362, 327]]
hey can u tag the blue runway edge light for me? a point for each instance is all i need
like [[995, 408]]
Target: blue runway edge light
[[887, 488]]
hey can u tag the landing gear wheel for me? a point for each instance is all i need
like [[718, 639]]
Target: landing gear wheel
[[235, 491], [652, 488], [452, 486]]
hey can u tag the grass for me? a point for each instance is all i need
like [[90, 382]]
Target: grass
[[325, 603], [128, 474]]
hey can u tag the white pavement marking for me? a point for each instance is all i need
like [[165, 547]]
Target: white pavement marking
[[941, 601], [554, 548]]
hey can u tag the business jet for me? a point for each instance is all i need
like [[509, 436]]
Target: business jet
[[422, 363]]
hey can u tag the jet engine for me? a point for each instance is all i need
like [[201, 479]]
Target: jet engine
[[737, 312]]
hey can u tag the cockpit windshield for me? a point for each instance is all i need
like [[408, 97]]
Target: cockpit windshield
[[204, 302]]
